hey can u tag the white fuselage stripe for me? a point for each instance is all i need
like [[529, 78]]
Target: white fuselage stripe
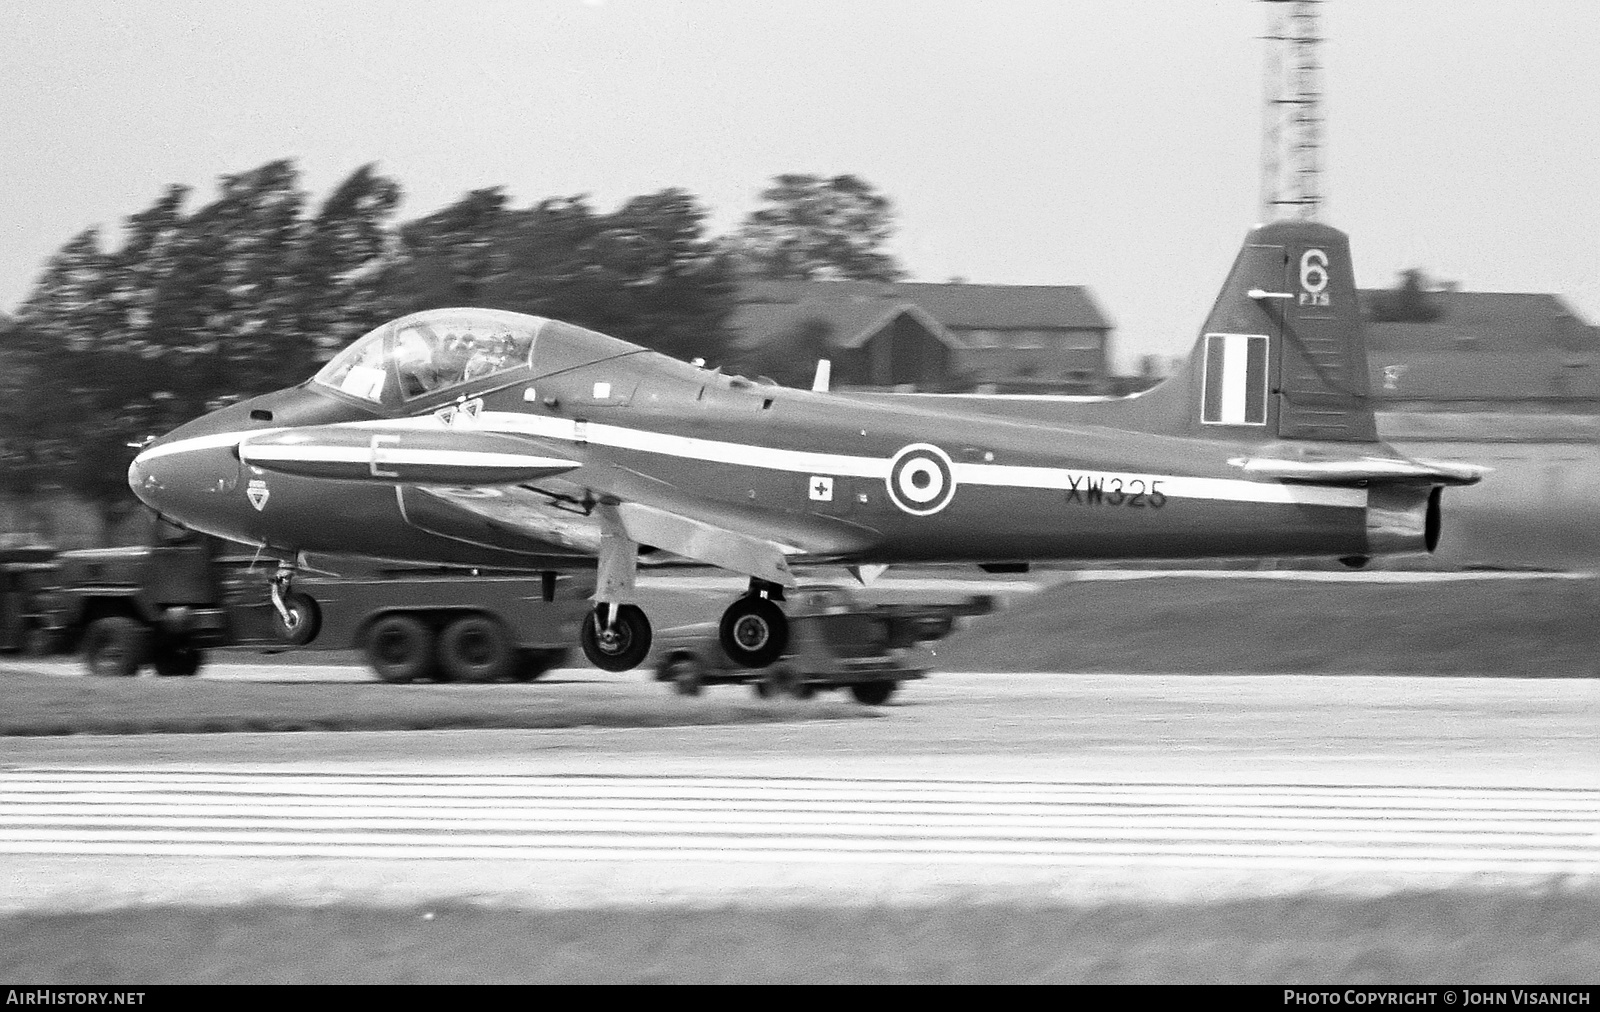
[[844, 465], [214, 441], [834, 464]]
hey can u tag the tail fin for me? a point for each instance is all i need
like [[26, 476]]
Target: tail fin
[[1283, 354]]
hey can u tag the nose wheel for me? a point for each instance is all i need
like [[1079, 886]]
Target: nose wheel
[[754, 632], [295, 616], [616, 637]]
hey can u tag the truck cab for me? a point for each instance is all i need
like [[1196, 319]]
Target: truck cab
[[160, 603]]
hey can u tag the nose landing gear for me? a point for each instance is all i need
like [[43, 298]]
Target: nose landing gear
[[754, 630], [296, 617], [616, 637]]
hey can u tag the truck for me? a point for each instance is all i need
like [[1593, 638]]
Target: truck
[[166, 603], [836, 641], [122, 608]]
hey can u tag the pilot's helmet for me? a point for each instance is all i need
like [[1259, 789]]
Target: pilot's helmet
[[454, 348]]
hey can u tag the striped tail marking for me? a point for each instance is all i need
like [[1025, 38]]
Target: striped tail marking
[[1235, 382]]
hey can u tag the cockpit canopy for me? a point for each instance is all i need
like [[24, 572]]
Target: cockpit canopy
[[439, 349]]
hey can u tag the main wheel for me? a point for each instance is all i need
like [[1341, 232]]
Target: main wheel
[[873, 693], [754, 632], [531, 664], [178, 660], [303, 623], [115, 647], [619, 646], [475, 648], [400, 648]]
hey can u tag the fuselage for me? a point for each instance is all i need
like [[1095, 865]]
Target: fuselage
[[828, 476]]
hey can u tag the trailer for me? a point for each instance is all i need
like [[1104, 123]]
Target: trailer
[[440, 624], [163, 605], [836, 641]]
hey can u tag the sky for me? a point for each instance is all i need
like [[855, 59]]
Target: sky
[[1105, 143]]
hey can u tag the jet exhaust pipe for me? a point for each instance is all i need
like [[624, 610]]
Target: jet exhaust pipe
[[1403, 519]]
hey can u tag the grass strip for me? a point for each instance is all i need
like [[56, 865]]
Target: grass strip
[[1513, 628], [1451, 937], [43, 705]]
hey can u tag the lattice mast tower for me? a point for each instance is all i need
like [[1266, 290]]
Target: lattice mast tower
[[1291, 140]]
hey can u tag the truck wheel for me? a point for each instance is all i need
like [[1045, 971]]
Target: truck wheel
[[180, 660], [532, 664], [115, 647], [786, 681], [41, 642], [400, 648], [621, 646], [754, 632], [684, 674], [475, 648], [873, 693], [304, 622]]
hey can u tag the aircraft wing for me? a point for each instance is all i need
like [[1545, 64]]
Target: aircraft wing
[[510, 519], [574, 511], [1363, 469]]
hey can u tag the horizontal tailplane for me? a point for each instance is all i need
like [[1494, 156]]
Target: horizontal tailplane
[[1363, 471]]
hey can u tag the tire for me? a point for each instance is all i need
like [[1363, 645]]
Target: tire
[[41, 642], [621, 647], [178, 660], [754, 632], [399, 648], [787, 682], [115, 647], [873, 693], [684, 674], [305, 619], [475, 648], [534, 664]]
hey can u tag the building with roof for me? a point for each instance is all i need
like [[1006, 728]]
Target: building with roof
[[1503, 350], [923, 336]]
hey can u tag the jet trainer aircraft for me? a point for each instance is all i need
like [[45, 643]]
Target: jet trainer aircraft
[[486, 438]]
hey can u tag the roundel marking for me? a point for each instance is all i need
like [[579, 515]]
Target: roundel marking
[[921, 481]]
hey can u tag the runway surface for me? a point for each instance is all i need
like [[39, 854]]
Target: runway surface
[[1030, 787]]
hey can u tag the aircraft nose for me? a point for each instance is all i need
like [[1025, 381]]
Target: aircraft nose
[[188, 475], [192, 474]]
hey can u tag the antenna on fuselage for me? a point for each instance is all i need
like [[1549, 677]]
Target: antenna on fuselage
[[824, 373]]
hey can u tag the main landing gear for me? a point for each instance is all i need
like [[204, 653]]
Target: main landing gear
[[616, 637], [754, 630]]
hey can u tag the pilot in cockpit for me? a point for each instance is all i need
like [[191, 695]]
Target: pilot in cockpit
[[489, 355], [450, 359], [414, 354]]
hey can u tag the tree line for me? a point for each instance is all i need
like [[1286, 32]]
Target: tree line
[[188, 310]]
